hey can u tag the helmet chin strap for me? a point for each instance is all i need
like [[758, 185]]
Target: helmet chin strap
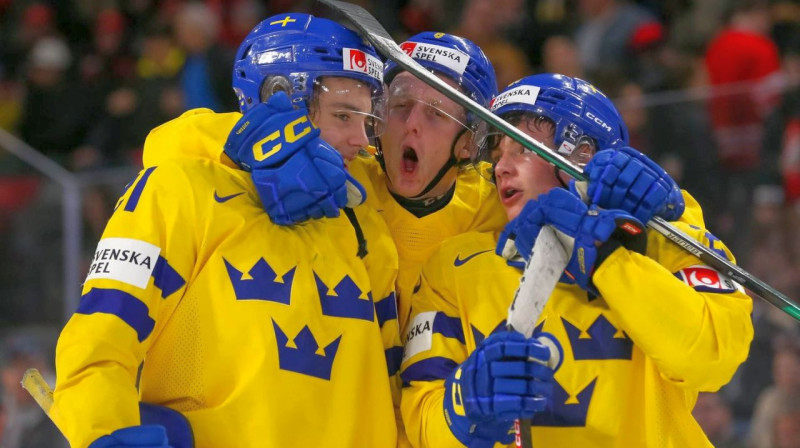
[[557, 172]]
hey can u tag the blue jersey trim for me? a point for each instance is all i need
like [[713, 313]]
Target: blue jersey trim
[[131, 310], [449, 327], [133, 200], [386, 309], [166, 278], [431, 369]]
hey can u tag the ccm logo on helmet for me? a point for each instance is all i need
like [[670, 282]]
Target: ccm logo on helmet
[[357, 61], [597, 120]]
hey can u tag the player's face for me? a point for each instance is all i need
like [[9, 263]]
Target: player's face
[[520, 174], [421, 126], [343, 112]]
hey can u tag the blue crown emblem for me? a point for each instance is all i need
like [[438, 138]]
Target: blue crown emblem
[[347, 302], [560, 413], [264, 284], [304, 358], [478, 336], [602, 343]]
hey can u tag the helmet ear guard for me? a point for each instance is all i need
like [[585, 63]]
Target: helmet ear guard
[[273, 85]]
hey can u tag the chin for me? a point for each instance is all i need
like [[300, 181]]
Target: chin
[[513, 211]]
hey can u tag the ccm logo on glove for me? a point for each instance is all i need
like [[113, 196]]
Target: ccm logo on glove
[[291, 131]]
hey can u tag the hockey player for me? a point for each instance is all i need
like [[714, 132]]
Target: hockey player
[[641, 326], [201, 315], [419, 179]]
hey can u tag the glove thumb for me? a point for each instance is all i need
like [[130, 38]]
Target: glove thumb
[[356, 194], [279, 102], [580, 189]]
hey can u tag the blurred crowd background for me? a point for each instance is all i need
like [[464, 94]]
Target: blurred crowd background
[[708, 88]]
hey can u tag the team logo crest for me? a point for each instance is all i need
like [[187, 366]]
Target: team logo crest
[[355, 60], [707, 279]]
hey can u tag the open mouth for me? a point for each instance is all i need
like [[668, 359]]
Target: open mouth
[[508, 192], [410, 159]]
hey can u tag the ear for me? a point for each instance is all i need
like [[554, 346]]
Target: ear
[[463, 146]]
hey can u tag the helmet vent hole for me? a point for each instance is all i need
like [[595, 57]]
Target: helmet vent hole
[[320, 50]]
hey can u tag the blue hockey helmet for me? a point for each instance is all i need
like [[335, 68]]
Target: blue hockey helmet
[[291, 51], [454, 57], [576, 107]]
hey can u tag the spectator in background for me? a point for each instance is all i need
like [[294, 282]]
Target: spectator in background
[[23, 28], [604, 36], [55, 113], [560, 55], [782, 397], [786, 432], [713, 414], [243, 16], [743, 67], [782, 129], [26, 426], [206, 78], [485, 22], [108, 60], [153, 97]]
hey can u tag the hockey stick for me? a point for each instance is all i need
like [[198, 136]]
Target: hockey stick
[[369, 28], [542, 272], [34, 383], [42, 394]]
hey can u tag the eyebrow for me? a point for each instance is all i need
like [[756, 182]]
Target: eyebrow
[[347, 106]]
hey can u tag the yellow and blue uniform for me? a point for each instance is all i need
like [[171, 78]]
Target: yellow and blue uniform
[[473, 207], [664, 328], [260, 335]]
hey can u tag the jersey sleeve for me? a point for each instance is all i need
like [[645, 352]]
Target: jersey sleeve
[[136, 279], [434, 346], [691, 320], [382, 264]]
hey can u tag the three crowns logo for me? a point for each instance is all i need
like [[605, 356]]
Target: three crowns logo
[[603, 341], [304, 358], [263, 284]]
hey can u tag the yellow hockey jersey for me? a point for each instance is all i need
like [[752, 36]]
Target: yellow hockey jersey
[[475, 206], [261, 335], [664, 328]]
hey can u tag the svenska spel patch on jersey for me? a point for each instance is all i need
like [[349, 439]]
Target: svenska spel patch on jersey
[[355, 60], [449, 57], [124, 259], [521, 94], [707, 279], [419, 337]]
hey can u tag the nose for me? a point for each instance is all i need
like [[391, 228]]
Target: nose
[[415, 117], [357, 138], [505, 165]]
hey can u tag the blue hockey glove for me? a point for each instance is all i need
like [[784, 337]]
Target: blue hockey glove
[[298, 175], [628, 180], [505, 378], [596, 233], [144, 436], [179, 431], [506, 247]]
